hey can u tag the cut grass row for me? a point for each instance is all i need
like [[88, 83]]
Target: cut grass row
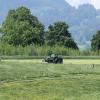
[[90, 62], [41, 57], [69, 88]]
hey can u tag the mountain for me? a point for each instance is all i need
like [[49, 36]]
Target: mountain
[[48, 11], [84, 21]]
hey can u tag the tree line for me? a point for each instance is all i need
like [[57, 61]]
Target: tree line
[[22, 28]]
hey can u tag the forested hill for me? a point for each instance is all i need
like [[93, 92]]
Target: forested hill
[[84, 21]]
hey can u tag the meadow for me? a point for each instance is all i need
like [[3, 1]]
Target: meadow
[[33, 80]]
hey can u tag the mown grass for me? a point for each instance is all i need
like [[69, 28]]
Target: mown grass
[[41, 57], [31, 80]]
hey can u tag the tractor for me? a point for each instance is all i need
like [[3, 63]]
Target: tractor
[[54, 58]]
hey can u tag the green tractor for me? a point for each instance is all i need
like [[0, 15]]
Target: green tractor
[[54, 58]]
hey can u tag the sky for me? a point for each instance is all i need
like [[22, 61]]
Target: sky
[[76, 3]]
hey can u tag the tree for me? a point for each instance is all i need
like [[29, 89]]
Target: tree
[[22, 28], [58, 34], [95, 42]]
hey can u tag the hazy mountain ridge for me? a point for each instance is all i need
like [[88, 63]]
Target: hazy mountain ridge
[[83, 22]]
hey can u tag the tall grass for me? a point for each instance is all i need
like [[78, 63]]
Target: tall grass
[[34, 50]]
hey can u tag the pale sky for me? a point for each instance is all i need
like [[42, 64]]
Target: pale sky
[[76, 3]]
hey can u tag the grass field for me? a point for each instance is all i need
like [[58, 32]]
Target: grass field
[[33, 80], [66, 61]]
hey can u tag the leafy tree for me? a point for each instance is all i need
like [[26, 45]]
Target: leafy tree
[[58, 34], [22, 28], [95, 42]]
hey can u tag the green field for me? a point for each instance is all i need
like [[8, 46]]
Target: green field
[[34, 80]]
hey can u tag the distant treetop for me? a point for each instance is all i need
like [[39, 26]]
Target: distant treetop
[[22, 28]]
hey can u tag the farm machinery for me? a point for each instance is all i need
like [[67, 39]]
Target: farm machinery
[[54, 58]]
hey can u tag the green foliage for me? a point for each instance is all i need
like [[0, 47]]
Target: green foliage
[[22, 28], [36, 50], [58, 34], [95, 42]]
